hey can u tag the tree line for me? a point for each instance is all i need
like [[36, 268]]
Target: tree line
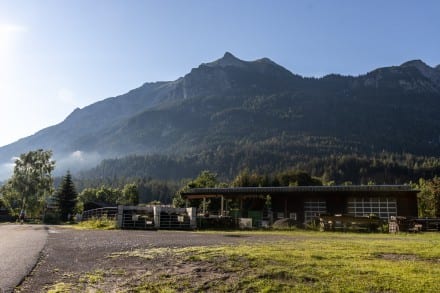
[[31, 188], [266, 158]]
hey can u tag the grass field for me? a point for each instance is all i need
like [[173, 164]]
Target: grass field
[[309, 262]]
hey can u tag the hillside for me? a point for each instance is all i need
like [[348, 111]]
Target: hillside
[[231, 114]]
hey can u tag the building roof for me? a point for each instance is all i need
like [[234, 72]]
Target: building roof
[[297, 189]]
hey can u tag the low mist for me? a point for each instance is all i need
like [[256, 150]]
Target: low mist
[[6, 170], [74, 162]]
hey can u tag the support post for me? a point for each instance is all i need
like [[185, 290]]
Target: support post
[[156, 213], [192, 217], [226, 207], [222, 208], [120, 216]]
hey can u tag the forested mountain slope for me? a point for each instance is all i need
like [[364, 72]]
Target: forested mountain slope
[[231, 114]]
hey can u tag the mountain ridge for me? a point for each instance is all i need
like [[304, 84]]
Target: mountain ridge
[[231, 102]]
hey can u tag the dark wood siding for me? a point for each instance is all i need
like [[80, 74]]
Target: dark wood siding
[[288, 200], [336, 203]]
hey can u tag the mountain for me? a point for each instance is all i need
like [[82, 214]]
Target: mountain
[[253, 113]]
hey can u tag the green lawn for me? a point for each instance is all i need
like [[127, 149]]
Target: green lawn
[[308, 262]]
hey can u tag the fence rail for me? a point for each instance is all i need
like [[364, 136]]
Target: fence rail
[[174, 221], [107, 212], [137, 221]]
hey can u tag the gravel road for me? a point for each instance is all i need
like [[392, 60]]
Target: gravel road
[[70, 252], [20, 247]]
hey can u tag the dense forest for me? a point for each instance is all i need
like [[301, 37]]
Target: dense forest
[[159, 177], [384, 168]]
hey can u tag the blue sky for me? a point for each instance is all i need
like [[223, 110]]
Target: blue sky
[[58, 55]]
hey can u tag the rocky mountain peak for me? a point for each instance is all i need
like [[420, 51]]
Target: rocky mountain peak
[[229, 55], [266, 60], [415, 63], [227, 60], [427, 71]]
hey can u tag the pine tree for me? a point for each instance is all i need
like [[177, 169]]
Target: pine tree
[[67, 197]]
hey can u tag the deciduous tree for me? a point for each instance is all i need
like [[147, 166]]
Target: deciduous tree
[[31, 182], [205, 179], [429, 197], [130, 195]]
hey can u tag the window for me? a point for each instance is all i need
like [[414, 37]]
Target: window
[[384, 208], [314, 208]]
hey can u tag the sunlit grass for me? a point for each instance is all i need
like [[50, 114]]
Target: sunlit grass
[[60, 288], [93, 277], [96, 224], [325, 262]]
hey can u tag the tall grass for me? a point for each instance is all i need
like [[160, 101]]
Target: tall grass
[[102, 223]]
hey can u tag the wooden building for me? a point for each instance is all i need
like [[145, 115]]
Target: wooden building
[[303, 203]]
